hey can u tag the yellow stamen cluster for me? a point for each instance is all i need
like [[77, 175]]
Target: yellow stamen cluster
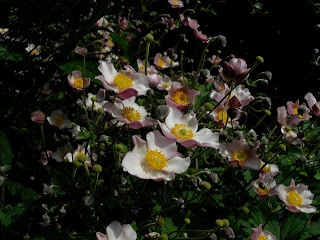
[[122, 81], [240, 155], [166, 85], [110, 43], [156, 159], [58, 121], [160, 62], [262, 191], [294, 198], [295, 110], [175, 2], [78, 155], [78, 83], [262, 237], [180, 98], [266, 168], [225, 116], [131, 114], [182, 131]]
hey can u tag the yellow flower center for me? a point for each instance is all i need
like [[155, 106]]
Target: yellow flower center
[[122, 81], [34, 51], [224, 117], [156, 159], [175, 2], [110, 43], [294, 198], [58, 121], [78, 155], [3, 30], [262, 237], [166, 85], [180, 98], [240, 155], [182, 131], [266, 168], [78, 83], [131, 114], [295, 110], [160, 62], [141, 67], [262, 191]]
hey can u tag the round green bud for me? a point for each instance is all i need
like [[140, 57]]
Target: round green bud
[[287, 128], [208, 106], [119, 146], [199, 2], [259, 59], [93, 99], [266, 111], [219, 222], [207, 185], [100, 110], [245, 210], [164, 236], [87, 192], [206, 50], [182, 52], [141, 42], [187, 220], [122, 7], [166, 31], [129, 10], [149, 37], [97, 168], [283, 147], [77, 163], [218, 52], [82, 158], [161, 222], [226, 222]]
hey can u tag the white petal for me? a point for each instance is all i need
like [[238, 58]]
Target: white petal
[[178, 165], [206, 138], [155, 140]]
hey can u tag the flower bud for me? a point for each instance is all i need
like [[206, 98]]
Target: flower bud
[[161, 222], [119, 146], [232, 113], [267, 112], [266, 103], [228, 232], [164, 236], [259, 59], [206, 185], [223, 135], [301, 110], [81, 51], [82, 158], [93, 99], [267, 75], [283, 147], [38, 117], [149, 37], [3, 169], [97, 168], [287, 129], [213, 236], [222, 41], [226, 222], [219, 222], [245, 210], [237, 135], [187, 220], [208, 106], [162, 111]]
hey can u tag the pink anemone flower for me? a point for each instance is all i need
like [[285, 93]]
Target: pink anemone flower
[[292, 109], [313, 104], [117, 232], [258, 234], [181, 97], [156, 159], [193, 24], [130, 113], [76, 81], [201, 36], [220, 116], [125, 83], [184, 129], [287, 124], [176, 3], [297, 198], [234, 70], [240, 154], [264, 186]]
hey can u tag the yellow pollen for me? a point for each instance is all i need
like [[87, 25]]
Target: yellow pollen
[[166, 85], [225, 116], [295, 110], [294, 198], [3, 30], [160, 62], [34, 51], [175, 2], [240, 155], [122, 81], [262, 191], [141, 67], [180, 98], [131, 114], [110, 43], [78, 83], [78, 155], [156, 159], [58, 121], [182, 131], [262, 237], [266, 168]]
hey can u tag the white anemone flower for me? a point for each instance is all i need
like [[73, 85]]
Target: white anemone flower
[[117, 232]]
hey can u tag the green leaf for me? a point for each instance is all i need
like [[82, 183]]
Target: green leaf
[[91, 68], [128, 52], [10, 52], [9, 214], [293, 225], [317, 176], [17, 189], [169, 227], [5, 150]]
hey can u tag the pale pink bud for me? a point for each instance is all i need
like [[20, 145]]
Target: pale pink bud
[[81, 51], [38, 117]]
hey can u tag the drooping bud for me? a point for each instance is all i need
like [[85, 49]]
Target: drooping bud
[[237, 135], [97, 168], [266, 103], [232, 113], [259, 59], [222, 41], [162, 111], [228, 232]]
